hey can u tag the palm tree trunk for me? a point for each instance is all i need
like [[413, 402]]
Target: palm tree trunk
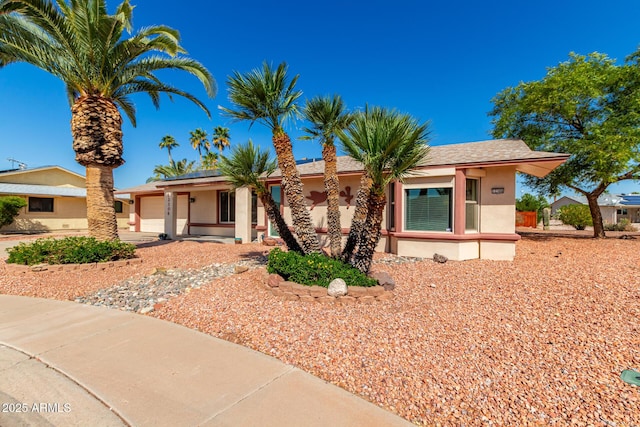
[[332, 185], [96, 126], [359, 217], [101, 213], [274, 215], [292, 186], [371, 233]]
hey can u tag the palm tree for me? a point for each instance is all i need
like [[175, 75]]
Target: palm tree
[[250, 166], [220, 137], [172, 170], [199, 140], [169, 143], [327, 115], [267, 96], [389, 145], [209, 161], [358, 220], [82, 45]]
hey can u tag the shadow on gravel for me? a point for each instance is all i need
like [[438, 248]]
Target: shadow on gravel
[[542, 236]]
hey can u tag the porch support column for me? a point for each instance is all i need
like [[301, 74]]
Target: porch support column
[[170, 214], [459, 202], [243, 214]]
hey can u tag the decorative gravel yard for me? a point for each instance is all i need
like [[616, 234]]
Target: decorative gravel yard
[[541, 340]]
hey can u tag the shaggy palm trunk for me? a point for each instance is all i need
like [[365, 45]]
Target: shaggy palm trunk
[[371, 232], [596, 215], [274, 215], [332, 185], [96, 126], [292, 186], [359, 217]]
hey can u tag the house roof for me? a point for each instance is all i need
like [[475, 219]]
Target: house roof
[[483, 153], [630, 200], [474, 154], [41, 190], [40, 168], [604, 200]]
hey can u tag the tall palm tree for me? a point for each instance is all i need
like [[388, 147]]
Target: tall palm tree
[[173, 169], [169, 143], [249, 166], [81, 44], [327, 115], [389, 145], [221, 138], [199, 140], [267, 96], [209, 161]]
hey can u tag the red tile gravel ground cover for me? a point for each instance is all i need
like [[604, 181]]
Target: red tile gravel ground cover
[[538, 341]]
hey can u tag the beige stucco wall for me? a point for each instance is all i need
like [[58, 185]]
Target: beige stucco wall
[[497, 211], [69, 213], [454, 250], [608, 214], [205, 207], [498, 251], [55, 177]]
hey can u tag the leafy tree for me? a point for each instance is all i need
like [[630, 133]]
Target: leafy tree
[[389, 145], [84, 46], [10, 208], [268, 96], [530, 203], [173, 169], [81, 44], [587, 107], [327, 115], [169, 143], [200, 139], [578, 216], [250, 166], [221, 138]]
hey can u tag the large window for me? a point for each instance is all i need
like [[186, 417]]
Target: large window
[[276, 193], [428, 209], [471, 205], [118, 206], [40, 204], [227, 204]]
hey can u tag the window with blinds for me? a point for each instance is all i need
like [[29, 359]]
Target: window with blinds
[[428, 209]]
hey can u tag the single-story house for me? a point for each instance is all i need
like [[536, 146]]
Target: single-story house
[[56, 200], [459, 202], [613, 207]]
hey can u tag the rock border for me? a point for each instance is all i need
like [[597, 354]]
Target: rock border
[[291, 291], [38, 268]]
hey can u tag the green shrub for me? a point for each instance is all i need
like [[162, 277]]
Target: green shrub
[[314, 269], [578, 216], [9, 208], [623, 225], [530, 203], [70, 250]]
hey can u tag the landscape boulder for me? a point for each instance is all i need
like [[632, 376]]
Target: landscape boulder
[[337, 288], [385, 280], [440, 258]]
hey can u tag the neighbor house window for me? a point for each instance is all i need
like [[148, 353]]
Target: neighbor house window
[[471, 205], [622, 211], [40, 204], [227, 203], [118, 206], [428, 209]]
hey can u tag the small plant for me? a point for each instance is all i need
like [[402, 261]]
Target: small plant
[[314, 269], [623, 225], [530, 203], [9, 209], [70, 250], [579, 216]]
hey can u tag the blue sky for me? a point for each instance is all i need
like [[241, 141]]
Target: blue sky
[[439, 61]]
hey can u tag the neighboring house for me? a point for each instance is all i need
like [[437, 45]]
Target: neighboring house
[[613, 207], [460, 202], [56, 199]]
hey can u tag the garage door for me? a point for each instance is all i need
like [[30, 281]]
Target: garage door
[[152, 214]]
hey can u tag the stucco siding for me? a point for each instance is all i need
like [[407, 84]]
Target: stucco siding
[[497, 211]]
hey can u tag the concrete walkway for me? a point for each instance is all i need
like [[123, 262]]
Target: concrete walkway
[[63, 363]]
